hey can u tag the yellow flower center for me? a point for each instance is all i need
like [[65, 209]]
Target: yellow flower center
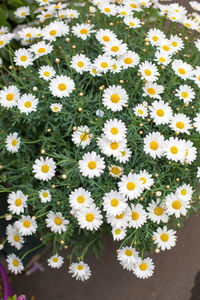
[[15, 263], [27, 104], [155, 38], [46, 73], [45, 194], [45, 168], [174, 150], [80, 199], [164, 237], [158, 211], [132, 24], [114, 145], [133, 5], [114, 202], [128, 60], [14, 143], [181, 71], [114, 130], [9, 97], [83, 137], [18, 202], [55, 259], [114, 67], [135, 215], [143, 266], [165, 47], [89, 217], [184, 94], [151, 91], [41, 50], [92, 165], [115, 170], [23, 58], [174, 44], [107, 9], [1, 43], [16, 238], [119, 217], [188, 25], [80, 267], [58, 221], [106, 38], [53, 32], [84, 31], [47, 16], [147, 72], [26, 224], [183, 192], [130, 186], [162, 59], [199, 78], [140, 111], [123, 13], [23, 13], [143, 180], [160, 112], [176, 204], [117, 231], [104, 65], [62, 87], [154, 145], [94, 71], [114, 48], [114, 98], [180, 125], [128, 252], [80, 64]]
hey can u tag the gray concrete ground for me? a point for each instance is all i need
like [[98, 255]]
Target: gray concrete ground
[[174, 276]]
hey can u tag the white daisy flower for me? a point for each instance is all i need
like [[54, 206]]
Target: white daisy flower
[[9, 96], [44, 2], [107, 8], [81, 136], [174, 149], [27, 103], [197, 122], [176, 43], [41, 48], [141, 110], [56, 107], [14, 264], [165, 46], [61, 86], [46, 72], [156, 212], [198, 172], [44, 169], [189, 23], [195, 5], [80, 198], [127, 257], [144, 268], [190, 152], [155, 36], [72, 13], [120, 220], [133, 5], [82, 31], [185, 93], [91, 165], [89, 218], [45, 196], [26, 225], [14, 238], [154, 144], [103, 63], [56, 222], [132, 22], [23, 57], [22, 12], [55, 29], [124, 155], [138, 216], [115, 97], [17, 202], [81, 271], [115, 130], [148, 71], [164, 238], [182, 69], [5, 39], [80, 63], [123, 11], [184, 192], [146, 179], [4, 29], [114, 203], [153, 90], [163, 58], [116, 66], [115, 48], [176, 206], [196, 75], [55, 261], [180, 123], [160, 112], [129, 59], [93, 71], [109, 148], [118, 233], [12, 142], [116, 171], [105, 36], [130, 186]]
